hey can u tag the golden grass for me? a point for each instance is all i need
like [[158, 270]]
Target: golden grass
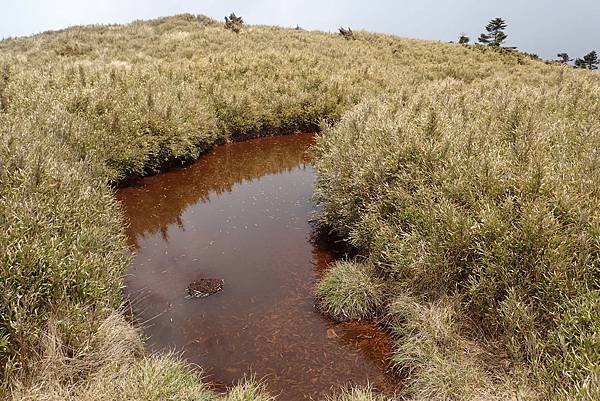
[[440, 363], [448, 150], [356, 394], [112, 366], [485, 191], [350, 291]]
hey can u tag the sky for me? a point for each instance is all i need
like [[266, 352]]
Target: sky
[[544, 27]]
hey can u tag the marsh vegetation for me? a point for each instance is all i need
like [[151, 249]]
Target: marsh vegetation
[[467, 177]]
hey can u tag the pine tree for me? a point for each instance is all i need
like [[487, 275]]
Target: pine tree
[[234, 23], [463, 39], [346, 33], [563, 58], [495, 33], [589, 61]]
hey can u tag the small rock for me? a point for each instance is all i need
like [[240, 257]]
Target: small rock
[[205, 287]]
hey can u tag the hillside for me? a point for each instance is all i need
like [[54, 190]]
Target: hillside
[[468, 177]]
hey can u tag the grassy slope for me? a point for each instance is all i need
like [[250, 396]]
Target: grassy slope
[[89, 106], [487, 192]]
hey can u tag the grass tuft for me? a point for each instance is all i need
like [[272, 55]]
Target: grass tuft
[[350, 291], [356, 394], [110, 364], [441, 364], [249, 389]]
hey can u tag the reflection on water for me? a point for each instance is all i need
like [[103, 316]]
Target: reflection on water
[[241, 213]]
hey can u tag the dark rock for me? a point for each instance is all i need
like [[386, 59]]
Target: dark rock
[[205, 287]]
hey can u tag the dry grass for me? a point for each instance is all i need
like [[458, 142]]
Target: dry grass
[[249, 390], [356, 394], [441, 364], [112, 365], [350, 291], [487, 191], [462, 171]]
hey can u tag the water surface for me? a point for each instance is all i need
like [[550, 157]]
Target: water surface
[[242, 213]]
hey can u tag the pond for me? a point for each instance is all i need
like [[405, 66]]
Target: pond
[[242, 214]]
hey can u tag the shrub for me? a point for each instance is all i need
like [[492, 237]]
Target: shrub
[[464, 39]]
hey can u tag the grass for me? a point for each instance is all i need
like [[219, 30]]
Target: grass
[[441, 364], [487, 192], [350, 291], [112, 365], [463, 173], [356, 394]]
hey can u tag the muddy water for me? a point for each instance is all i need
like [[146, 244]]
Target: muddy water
[[242, 214]]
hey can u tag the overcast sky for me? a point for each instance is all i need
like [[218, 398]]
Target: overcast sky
[[545, 27]]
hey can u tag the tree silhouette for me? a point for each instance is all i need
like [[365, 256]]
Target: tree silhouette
[[495, 33], [463, 39], [563, 58], [588, 62], [346, 33], [234, 23]]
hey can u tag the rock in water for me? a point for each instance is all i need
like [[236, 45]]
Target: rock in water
[[205, 287]]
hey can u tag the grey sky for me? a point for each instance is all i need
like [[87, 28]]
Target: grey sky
[[545, 27]]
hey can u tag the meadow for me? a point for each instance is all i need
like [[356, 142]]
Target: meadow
[[468, 178]]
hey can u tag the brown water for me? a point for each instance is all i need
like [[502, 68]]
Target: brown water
[[242, 213]]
